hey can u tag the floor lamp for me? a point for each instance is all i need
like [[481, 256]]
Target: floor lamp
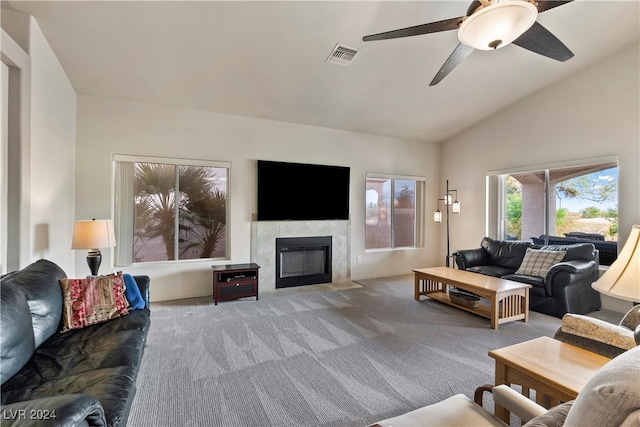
[[448, 200]]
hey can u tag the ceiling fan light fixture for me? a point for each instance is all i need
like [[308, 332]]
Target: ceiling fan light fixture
[[498, 24]]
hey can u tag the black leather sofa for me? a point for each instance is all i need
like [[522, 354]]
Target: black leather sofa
[[566, 286], [83, 377]]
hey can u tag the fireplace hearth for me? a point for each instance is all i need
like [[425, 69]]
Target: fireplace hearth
[[303, 261], [263, 246]]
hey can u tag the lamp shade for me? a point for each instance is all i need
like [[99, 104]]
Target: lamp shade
[[437, 216], [622, 279], [498, 24], [93, 234]]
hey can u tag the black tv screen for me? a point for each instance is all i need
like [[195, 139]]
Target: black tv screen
[[297, 191]]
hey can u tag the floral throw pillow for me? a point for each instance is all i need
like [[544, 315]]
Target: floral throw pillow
[[95, 299], [537, 262]]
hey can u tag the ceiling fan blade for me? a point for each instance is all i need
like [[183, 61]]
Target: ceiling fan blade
[[457, 56], [546, 5], [539, 40], [432, 27]]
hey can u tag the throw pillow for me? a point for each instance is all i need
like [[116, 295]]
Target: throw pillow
[[132, 292], [611, 395], [554, 417], [537, 262], [95, 299]]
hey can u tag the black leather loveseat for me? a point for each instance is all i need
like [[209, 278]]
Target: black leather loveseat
[[82, 377], [565, 287]]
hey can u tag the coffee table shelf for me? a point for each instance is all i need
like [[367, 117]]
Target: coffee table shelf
[[502, 300]]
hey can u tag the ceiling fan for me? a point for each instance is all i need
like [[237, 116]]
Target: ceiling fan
[[489, 25]]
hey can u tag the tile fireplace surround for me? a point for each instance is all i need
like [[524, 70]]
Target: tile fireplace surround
[[263, 246]]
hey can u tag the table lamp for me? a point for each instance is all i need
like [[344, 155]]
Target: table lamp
[[93, 235], [622, 279]]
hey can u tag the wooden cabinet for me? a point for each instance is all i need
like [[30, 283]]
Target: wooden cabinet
[[233, 281]]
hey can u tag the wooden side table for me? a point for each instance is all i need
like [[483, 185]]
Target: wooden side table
[[557, 371], [233, 281]]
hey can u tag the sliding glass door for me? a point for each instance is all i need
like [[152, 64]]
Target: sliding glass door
[[560, 205]]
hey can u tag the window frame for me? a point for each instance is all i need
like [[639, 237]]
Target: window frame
[[419, 222], [123, 214]]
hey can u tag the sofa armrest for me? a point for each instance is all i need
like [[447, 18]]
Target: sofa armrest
[[573, 267], [467, 258], [567, 273], [68, 410], [143, 284], [598, 330], [523, 407]]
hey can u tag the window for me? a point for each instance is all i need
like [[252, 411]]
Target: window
[[562, 204], [170, 209], [394, 211]]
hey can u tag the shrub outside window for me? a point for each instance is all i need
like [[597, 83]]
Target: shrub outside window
[[561, 204], [170, 209]]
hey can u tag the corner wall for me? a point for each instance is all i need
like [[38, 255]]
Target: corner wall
[[590, 114], [44, 148], [53, 138]]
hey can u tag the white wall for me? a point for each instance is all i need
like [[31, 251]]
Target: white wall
[[107, 126], [45, 137], [53, 127], [593, 113]]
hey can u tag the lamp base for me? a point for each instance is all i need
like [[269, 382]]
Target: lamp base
[[94, 259]]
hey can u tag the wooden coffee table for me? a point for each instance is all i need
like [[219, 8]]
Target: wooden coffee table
[[508, 300], [557, 371]]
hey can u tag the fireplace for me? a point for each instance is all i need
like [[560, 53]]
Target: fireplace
[[303, 261]]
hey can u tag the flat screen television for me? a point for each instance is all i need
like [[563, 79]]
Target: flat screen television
[[298, 192]]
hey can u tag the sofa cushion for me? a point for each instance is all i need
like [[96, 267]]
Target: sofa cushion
[[534, 281], [101, 360], [92, 300], [490, 270], [17, 342], [538, 262], [457, 410], [554, 417], [505, 253], [611, 395]]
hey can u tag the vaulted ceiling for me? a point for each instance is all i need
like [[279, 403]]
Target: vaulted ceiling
[[267, 59]]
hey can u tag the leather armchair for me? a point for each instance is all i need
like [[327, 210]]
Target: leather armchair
[[601, 337]]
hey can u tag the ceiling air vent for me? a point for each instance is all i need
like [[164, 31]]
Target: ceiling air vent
[[342, 55]]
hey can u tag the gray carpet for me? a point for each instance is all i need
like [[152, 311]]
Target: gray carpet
[[345, 357]]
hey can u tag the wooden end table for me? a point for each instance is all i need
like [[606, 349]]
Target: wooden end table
[[557, 371], [508, 300]]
